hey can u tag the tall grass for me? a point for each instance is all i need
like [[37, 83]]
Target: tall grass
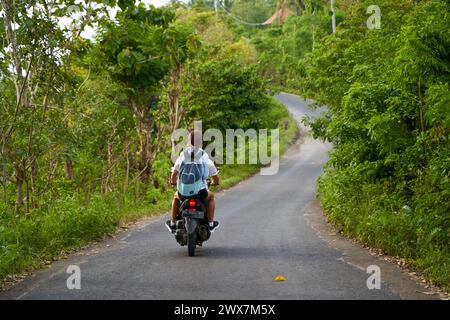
[[411, 227]]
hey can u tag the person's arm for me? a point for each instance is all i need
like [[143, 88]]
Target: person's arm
[[205, 164], [213, 172], [215, 180], [175, 171], [173, 177]]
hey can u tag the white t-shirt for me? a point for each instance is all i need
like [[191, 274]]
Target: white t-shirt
[[212, 168]]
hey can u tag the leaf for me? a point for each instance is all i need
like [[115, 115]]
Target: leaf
[[279, 278]]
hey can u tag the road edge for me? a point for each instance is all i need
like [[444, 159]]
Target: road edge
[[407, 284]]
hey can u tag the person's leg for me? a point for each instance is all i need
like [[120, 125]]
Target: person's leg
[[211, 206], [175, 206], [170, 224]]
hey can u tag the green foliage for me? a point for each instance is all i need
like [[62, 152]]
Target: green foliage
[[226, 94], [85, 125], [256, 11], [133, 50], [387, 180], [281, 47], [65, 223]]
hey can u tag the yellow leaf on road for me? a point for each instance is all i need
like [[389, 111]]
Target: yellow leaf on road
[[280, 278]]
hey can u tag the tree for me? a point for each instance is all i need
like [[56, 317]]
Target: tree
[[134, 52], [182, 44], [34, 50]]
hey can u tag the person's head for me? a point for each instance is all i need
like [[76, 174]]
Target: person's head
[[195, 139]]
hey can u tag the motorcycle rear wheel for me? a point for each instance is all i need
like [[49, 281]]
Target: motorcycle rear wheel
[[191, 244]]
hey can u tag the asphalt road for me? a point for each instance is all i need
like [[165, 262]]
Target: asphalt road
[[263, 233]]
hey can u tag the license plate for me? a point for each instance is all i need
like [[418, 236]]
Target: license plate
[[193, 214]]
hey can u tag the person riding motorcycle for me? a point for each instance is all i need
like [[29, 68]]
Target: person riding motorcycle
[[209, 171]]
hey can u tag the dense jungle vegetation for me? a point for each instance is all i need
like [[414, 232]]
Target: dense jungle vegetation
[[89, 98], [387, 91]]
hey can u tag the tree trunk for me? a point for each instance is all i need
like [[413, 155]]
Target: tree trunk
[[110, 165], [145, 155], [69, 169], [176, 114], [51, 172], [8, 16], [422, 125], [173, 96], [20, 176], [5, 189], [127, 169], [4, 180], [144, 128], [27, 188]]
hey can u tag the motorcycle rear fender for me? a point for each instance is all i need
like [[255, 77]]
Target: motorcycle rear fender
[[191, 225]]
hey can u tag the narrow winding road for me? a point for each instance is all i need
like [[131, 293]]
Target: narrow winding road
[[263, 233]]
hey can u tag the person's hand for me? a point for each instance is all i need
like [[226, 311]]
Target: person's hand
[[214, 180]]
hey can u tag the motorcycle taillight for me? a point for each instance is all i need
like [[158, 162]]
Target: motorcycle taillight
[[192, 203]]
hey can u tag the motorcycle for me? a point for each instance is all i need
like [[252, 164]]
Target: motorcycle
[[191, 226]]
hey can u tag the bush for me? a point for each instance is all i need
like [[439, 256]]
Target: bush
[[387, 181]]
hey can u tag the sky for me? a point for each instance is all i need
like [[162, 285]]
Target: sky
[[89, 31], [156, 3]]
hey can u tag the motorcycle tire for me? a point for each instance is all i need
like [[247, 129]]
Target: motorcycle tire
[[191, 244]]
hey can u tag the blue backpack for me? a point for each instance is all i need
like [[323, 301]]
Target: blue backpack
[[192, 174]]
